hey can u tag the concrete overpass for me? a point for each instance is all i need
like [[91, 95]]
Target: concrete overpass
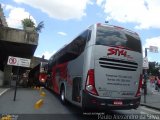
[[18, 43]]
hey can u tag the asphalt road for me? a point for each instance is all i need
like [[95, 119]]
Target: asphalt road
[[23, 108]]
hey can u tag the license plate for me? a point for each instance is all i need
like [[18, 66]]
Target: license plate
[[118, 103]]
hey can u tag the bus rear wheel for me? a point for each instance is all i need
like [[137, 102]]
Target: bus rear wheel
[[62, 95]]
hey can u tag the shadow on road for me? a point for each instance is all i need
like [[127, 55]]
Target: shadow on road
[[76, 113]]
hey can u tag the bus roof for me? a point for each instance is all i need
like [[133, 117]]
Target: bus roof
[[116, 27]]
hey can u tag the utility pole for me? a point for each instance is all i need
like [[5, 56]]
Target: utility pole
[[17, 79], [145, 78], [153, 49]]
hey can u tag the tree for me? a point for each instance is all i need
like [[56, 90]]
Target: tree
[[154, 68], [39, 27], [27, 22]]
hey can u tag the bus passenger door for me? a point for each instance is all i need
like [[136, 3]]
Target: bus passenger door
[[76, 88]]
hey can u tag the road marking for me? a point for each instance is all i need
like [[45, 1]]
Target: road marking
[[150, 110], [156, 93], [4, 91], [143, 112]]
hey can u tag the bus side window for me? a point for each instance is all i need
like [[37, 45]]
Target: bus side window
[[78, 45], [88, 35], [73, 50]]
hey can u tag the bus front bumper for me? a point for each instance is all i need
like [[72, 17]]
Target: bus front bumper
[[91, 102]]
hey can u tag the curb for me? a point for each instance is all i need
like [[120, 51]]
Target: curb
[[143, 104], [38, 104], [42, 94]]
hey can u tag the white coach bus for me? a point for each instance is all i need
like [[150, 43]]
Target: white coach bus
[[101, 68]]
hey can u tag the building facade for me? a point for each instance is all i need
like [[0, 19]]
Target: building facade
[[17, 43], [2, 18]]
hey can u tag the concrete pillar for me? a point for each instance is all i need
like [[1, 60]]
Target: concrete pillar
[[7, 75]]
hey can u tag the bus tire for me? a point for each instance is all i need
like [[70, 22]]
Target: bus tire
[[62, 95]]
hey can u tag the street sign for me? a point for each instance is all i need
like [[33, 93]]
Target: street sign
[[17, 61], [145, 63], [153, 49]]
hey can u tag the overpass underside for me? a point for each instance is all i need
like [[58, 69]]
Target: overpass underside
[[14, 49], [18, 43]]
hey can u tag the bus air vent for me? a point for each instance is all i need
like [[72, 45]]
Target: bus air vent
[[118, 64]]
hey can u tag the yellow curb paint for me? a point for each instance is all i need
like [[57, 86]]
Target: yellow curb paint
[[8, 117], [40, 88], [38, 104], [43, 94]]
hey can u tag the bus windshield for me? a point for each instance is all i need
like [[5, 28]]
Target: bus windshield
[[114, 37]]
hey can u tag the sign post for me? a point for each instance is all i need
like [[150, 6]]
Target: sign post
[[153, 49], [145, 67], [15, 92], [20, 62]]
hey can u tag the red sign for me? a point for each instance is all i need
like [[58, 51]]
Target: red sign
[[12, 61]]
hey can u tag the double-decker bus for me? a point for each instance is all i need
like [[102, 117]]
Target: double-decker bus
[[101, 68]]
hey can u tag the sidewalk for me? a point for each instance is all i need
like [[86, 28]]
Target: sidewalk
[[152, 99]]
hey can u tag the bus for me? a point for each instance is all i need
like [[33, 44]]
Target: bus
[[100, 69], [37, 75]]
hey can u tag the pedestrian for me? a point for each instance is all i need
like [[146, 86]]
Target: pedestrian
[[152, 83], [158, 84]]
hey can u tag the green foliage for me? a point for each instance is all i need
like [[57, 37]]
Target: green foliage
[[27, 22], [39, 27], [154, 68]]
